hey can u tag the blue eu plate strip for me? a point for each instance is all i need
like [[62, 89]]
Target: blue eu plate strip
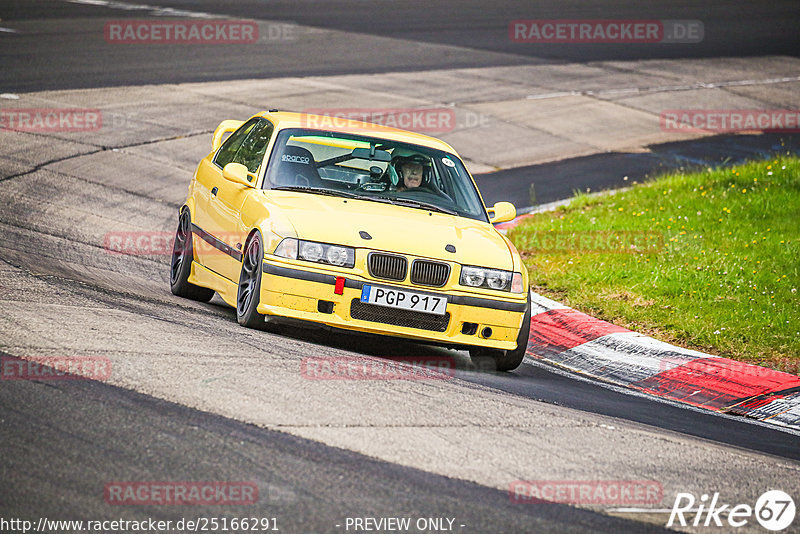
[[365, 293]]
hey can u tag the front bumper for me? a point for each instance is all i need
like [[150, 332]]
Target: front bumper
[[308, 294]]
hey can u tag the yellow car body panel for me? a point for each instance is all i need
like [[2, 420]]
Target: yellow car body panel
[[224, 214], [290, 290], [394, 228]]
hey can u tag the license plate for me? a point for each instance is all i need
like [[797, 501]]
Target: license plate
[[406, 300]]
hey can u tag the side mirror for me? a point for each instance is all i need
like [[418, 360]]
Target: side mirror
[[225, 127], [502, 212], [237, 173]]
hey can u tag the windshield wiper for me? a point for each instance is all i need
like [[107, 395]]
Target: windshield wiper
[[421, 205], [332, 193], [348, 194], [317, 190]]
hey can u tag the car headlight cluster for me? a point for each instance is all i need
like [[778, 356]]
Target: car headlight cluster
[[491, 279], [297, 249]]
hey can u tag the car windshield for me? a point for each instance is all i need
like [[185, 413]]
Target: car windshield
[[335, 163]]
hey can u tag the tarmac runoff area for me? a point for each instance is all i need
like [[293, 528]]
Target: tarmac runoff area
[[64, 295], [496, 117]]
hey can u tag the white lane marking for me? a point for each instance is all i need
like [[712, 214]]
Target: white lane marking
[[557, 94], [7, 30], [542, 304], [644, 510], [666, 88], [157, 11], [624, 357]]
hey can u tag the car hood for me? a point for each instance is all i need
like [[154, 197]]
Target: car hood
[[392, 228]]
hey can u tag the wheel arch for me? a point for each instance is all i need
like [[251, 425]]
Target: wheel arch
[[188, 205], [269, 238]]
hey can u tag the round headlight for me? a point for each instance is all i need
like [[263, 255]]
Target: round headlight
[[336, 256], [497, 279], [471, 276], [311, 251]]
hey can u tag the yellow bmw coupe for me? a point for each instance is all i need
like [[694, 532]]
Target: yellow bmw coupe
[[354, 226]]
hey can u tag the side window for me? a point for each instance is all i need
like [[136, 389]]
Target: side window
[[227, 152], [252, 150]]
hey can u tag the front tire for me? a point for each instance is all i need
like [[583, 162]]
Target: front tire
[[249, 293], [505, 360], [181, 264]]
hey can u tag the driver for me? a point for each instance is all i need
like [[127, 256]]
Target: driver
[[410, 171], [412, 175]]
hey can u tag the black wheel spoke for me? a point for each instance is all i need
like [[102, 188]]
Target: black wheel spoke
[[182, 237], [181, 263], [244, 296], [249, 276]]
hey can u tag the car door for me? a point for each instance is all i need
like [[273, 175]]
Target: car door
[[219, 217]]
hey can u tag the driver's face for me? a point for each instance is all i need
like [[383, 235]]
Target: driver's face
[[412, 174]]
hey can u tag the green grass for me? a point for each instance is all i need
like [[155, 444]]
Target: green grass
[[707, 260]]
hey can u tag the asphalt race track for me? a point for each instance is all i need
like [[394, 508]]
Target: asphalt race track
[[306, 486], [386, 36], [192, 396]]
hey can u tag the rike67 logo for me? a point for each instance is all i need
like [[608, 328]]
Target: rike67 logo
[[774, 510]]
